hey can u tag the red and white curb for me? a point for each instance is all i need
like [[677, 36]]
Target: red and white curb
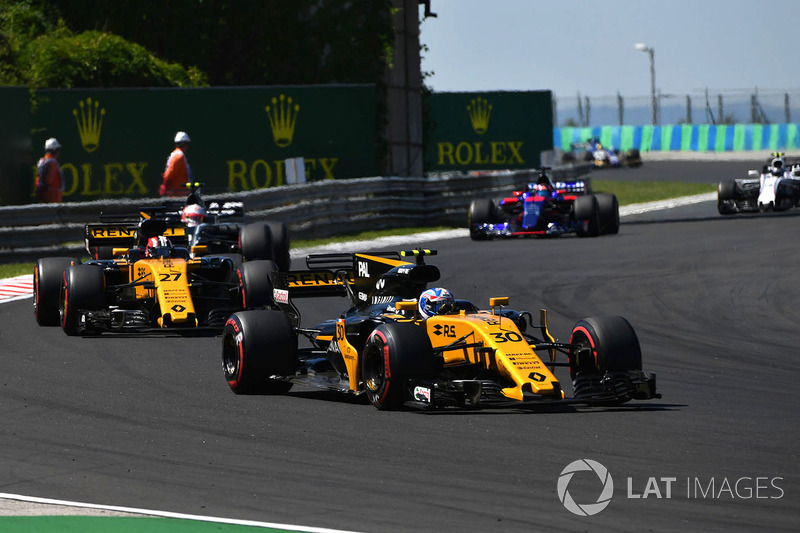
[[16, 288]]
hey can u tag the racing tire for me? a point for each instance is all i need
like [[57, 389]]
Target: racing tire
[[608, 208], [47, 275], [633, 158], [726, 197], [394, 353], [255, 283], [82, 287], [257, 346], [280, 244], [255, 241], [605, 344], [587, 215], [481, 211], [103, 252], [568, 158]]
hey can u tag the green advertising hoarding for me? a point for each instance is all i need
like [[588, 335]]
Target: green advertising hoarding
[[116, 141], [488, 130]]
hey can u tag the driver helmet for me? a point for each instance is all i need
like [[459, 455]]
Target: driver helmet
[[158, 247], [193, 215], [435, 301], [777, 166]]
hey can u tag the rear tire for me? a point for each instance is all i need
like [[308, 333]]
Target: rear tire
[[608, 207], [587, 215], [47, 275], [82, 288], [607, 344], [257, 345], [255, 241], [394, 353]]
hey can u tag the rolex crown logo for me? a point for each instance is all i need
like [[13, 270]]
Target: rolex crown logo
[[479, 111], [90, 121], [282, 119]]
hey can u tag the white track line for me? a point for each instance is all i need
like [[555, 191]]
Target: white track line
[[167, 514]]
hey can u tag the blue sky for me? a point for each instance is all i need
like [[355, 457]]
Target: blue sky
[[571, 46]]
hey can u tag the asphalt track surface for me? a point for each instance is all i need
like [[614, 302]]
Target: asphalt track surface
[[150, 422]]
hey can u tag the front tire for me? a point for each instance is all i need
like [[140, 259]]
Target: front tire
[[256, 346], [255, 283], [481, 211], [47, 275], [394, 353], [587, 215], [82, 288], [726, 197], [604, 344]]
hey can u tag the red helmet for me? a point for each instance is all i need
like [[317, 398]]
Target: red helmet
[[158, 247], [193, 215]]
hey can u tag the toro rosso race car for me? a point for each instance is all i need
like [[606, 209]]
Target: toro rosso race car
[[402, 345], [775, 188], [213, 227], [545, 208], [154, 286]]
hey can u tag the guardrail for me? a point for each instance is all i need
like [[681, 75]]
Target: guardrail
[[314, 210]]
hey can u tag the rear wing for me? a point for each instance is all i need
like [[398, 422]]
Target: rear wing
[[327, 274], [125, 235]]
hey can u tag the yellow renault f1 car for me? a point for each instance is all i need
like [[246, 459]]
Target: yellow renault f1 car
[[382, 346], [157, 287]]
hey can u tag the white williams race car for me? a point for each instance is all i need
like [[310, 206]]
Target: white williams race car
[[775, 188]]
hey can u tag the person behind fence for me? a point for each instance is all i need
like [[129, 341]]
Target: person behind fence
[[49, 184], [177, 173]]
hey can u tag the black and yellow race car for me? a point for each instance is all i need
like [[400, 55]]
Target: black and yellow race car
[[217, 227], [384, 347], [152, 286]]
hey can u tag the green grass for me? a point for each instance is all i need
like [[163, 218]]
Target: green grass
[[638, 192], [627, 193]]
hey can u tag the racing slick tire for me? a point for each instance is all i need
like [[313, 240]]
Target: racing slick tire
[[255, 283], [726, 197], [255, 241], [633, 158], [608, 206], [605, 344], [394, 353], [587, 215], [47, 275], [257, 345], [481, 211], [280, 244], [82, 287]]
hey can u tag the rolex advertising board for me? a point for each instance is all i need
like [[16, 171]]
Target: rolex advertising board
[[116, 141], [488, 130]]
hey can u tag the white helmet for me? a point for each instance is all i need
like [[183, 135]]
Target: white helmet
[[182, 137], [52, 144], [193, 215]]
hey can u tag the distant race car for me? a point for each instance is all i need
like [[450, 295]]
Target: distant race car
[[775, 188], [602, 157], [152, 286], [402, 345], [213, 227], [545, 208]]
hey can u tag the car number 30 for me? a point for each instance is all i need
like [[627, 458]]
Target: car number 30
[[506, 336]]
